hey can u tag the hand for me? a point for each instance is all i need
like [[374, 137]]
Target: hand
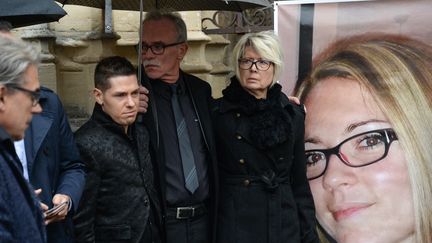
[[296, 100], [43, 206], [143, 99], [61, 215]]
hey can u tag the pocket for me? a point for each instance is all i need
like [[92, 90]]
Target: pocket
[[119, 232]]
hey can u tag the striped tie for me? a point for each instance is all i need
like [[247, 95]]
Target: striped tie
[[188, 161]]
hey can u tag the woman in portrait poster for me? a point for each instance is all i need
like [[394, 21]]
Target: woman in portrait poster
[[368, 139]]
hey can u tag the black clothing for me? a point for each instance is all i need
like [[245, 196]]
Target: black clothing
[[265, 195], [193, 230], [176, 193], [159, 119], [120, 202]]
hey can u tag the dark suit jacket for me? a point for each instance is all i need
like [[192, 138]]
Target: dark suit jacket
[[20, 214], [53, 161], [200, 94]]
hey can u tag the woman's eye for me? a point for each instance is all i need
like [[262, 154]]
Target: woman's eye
[[314, 158], [370, 141]]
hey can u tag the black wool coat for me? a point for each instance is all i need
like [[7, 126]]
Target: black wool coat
[[264, 193], [119, 191]]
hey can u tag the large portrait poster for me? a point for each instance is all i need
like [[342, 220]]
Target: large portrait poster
[[306, 27]]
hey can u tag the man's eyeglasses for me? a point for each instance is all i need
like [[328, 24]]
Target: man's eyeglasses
[[159, 48], [246, 64], [34, 95], [357, 151]]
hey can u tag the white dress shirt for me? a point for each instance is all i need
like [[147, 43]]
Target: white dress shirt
[[20, 150]]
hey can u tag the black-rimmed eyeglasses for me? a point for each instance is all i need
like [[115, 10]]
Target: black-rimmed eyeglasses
[[357, 151], [246, 64], [34, 95], [158, 48]]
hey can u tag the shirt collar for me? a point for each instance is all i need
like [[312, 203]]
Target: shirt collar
[[163, 89]]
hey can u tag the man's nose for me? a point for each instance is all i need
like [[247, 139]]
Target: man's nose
[[131, 101]]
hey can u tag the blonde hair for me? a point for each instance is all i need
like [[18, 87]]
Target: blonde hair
[[266, 44], [397, 71]]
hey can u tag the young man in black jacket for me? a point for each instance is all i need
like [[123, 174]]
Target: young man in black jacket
[[119, 203]]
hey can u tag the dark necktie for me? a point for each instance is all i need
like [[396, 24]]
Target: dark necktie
[[188, 161]]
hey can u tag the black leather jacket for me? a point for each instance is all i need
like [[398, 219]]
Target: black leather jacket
[[119, 191]]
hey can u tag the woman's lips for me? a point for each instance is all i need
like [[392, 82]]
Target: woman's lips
[[341, 214], [129, 114]]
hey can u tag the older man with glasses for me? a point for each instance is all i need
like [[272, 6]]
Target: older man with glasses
[[180, 131], [21, 219]]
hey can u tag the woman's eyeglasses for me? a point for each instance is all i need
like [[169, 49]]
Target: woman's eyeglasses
[[246, 64], [357, 151]]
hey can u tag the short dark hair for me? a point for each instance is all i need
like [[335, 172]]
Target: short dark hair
[[111, 67]]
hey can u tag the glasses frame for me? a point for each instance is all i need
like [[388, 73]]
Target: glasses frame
[[254, 62], [34, 95], [388, 133], [146, 47]]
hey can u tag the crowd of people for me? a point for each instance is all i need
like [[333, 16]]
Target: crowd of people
[[252, 166]]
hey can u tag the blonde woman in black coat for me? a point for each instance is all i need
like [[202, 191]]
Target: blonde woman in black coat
[[264, 192]]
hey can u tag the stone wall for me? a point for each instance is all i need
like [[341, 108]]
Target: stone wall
[[72, 47]]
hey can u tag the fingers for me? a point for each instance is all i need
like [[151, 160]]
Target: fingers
[[43, 206], [61, 208], [294, 99], [143, 99], [297, 101], [60, 198], [38, 191], [55, 218], [143, 90]]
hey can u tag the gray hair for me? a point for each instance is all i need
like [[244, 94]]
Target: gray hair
[[174, 17], [266, 44], [15, 57]]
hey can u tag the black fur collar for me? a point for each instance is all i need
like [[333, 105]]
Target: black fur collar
[[270, 122]]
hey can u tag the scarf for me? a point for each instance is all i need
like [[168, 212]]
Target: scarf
[[270, 121]]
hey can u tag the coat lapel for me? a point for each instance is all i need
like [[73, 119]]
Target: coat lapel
[[34, 137]]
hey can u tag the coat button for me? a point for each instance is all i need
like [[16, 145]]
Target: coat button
[[241, 161], [239, 137], [237, 114], [246, 182]]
